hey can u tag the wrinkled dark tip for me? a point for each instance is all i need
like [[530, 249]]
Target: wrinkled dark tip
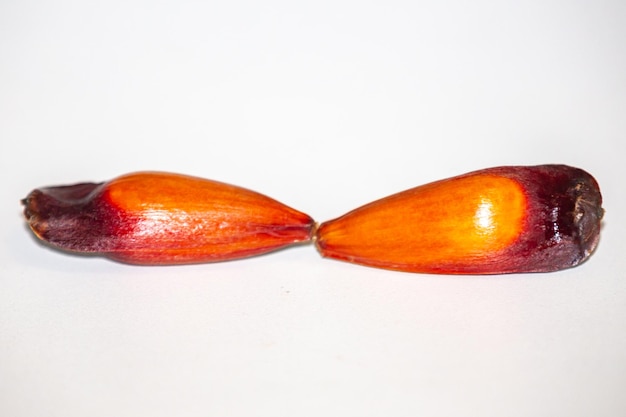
[[49, 200], [56, 215], [31, 205], [574, 200], [587, 212]]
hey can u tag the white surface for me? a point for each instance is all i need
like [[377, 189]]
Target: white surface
[[324, 106]]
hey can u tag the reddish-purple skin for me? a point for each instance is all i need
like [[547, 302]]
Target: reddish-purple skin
[[563, 221], [76, 218]]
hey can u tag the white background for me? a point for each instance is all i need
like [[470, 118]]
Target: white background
[[325, 106]]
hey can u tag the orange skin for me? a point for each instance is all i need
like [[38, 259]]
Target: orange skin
[[153, 218], [499, 220]]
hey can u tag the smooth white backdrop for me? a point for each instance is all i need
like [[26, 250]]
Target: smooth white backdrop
[[325, 106]]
